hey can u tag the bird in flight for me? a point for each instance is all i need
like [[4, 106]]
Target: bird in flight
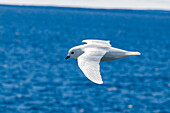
[[91, 54]]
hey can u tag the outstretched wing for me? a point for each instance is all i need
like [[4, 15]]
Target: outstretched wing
[[89, 64], [106, 43]]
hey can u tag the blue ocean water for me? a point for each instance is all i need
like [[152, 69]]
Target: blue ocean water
[[35, 77]]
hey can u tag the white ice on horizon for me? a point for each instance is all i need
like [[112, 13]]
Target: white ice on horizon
[[99, 4]]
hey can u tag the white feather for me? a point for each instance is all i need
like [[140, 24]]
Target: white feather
[[89, 64], [106, 43]]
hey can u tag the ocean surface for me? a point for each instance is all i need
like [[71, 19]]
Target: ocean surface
[[35, 77]]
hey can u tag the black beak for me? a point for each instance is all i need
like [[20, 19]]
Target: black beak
[[67, 57]]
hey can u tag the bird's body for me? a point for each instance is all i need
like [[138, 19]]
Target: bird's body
[[115, 53], [91, 54]]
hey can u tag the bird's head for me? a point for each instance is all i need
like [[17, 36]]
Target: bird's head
[[74, 52]]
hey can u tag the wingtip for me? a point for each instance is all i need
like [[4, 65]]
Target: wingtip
[[98, 82], [101, 82]]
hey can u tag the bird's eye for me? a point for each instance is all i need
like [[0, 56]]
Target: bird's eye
[[72, 52]]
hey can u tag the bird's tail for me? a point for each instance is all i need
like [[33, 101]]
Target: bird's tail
[[133, 53]]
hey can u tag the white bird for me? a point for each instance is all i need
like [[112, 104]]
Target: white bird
[[91, 54]]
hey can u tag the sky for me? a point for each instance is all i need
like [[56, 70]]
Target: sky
[[102, 4]]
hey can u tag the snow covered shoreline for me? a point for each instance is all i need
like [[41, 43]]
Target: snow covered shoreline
[[96, 4]]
